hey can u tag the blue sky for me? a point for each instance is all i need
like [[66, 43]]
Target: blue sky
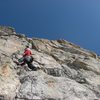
[[77, 21]]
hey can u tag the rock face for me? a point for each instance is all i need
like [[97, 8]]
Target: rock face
[[66, 71]]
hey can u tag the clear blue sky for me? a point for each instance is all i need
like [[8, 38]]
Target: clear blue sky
[[77, 21]]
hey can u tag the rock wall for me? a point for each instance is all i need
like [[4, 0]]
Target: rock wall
[[64, 71]]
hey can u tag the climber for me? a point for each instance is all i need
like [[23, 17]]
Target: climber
[[27, 58]]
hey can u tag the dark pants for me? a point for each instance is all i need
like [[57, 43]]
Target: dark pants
[[28, 60]]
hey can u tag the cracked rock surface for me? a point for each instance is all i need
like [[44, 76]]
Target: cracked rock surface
[[66, 71]]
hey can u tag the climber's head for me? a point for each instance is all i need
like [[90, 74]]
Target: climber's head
[[27, 46]]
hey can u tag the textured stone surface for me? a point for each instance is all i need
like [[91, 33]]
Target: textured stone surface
[[65, 71]]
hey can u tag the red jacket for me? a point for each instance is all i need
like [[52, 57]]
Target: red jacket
[[27, 52]]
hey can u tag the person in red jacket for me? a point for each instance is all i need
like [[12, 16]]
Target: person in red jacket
[[27, 52], [28, 59]]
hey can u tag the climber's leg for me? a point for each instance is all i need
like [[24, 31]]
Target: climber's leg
[[31, 66]]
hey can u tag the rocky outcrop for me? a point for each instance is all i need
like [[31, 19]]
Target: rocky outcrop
[[64, 71]]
